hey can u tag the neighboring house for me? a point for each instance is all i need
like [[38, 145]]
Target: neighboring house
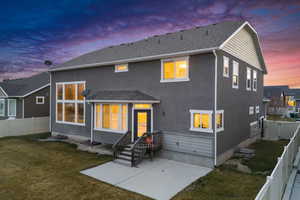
[[282, 99], [25, 97], [202, 87]]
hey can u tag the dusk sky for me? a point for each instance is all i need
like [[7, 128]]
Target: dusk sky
[[36, 30]]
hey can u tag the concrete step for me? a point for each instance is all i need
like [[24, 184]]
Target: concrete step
[[126, 153], [124, 157], [123, 162]]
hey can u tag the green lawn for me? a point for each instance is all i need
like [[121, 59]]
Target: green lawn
[[31, 170], [280, 118]]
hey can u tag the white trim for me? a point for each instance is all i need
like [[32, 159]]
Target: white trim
[[132, 119], [235, 63], [36, 90], [251, 110], [187, 78], [206, 130], [117, 65], [63, 102], [215, 104], [2, 101], [23, 114], [254, 81], [39, 97], [137, 59], [253, 123], [3, 92], [228, 60], [222, 128], [123, 101], [8, 103], [92, 122], [248, 70], [50, 104]]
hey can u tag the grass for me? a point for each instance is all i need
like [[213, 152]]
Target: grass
[[280, 118], [32, 170]]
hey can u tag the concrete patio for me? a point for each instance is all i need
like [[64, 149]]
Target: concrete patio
[[160, 179]]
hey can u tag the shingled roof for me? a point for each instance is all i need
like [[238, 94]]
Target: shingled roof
[[199, 38], [21, 87]]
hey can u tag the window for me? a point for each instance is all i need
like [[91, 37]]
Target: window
[[174, 70], [121, 68], [254, 80], [257, 109], [225, 66], [251, 110], [39, 100], [12, 107], [2, 107], [201, 121], [235, 75], [220, 120], [70, 108], [142, 106], [111, 117], [248, 83]]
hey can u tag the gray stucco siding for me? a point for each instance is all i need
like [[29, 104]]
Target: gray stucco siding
[[171, 115], [31, 109], [236, 103]]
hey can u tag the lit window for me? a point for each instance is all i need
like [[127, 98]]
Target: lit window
[[70, 106], [225, 66], [220, 120], [142, 106], [251, 110], [39, 100], [235, 75], [201, 121], [257, 109], [248, 83], [12, 107], [254, 80], [111, 117], [121, 68], [174, 70], [2, 107]]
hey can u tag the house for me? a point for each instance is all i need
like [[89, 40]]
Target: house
[[202, 88], [25, 97], [282, 99]]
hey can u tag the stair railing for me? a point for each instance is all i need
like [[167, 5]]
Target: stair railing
[[138, 150], [120, 144]]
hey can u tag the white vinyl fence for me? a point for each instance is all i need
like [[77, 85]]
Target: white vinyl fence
[[276, 130], [275, 185], [25, 126]]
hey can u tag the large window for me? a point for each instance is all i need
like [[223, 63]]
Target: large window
[[254, 80], [70, 106], [248, 81], [201, 121], [111, 117], [225, 66], [176, 69], [12, 107], [2, 107], [235, 75]]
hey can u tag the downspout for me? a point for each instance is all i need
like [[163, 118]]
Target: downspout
[[50, 102], [23, 108], [92, 120], [215, 103]]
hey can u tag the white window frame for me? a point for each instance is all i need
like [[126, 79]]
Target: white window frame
[[254, 80], [8, 111], [251, 110], [162, 80], [249, 70], [220, 112], [116, 68], [235, 64], [226, 60], [206, 130], [37, 98], [257, 109], [120, 121], [63, 101], [2, 101]]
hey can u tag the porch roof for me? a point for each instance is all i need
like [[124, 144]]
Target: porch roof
[[132, 96]]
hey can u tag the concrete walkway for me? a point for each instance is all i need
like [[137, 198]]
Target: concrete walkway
[[160, 179], [295, 195]]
